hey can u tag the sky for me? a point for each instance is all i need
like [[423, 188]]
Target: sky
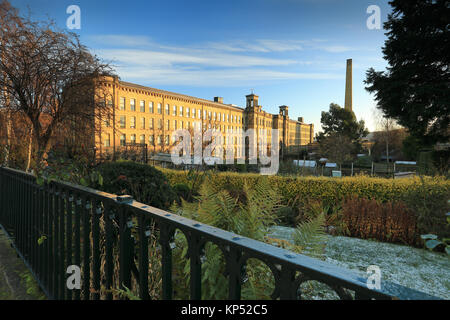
[[289, 52]]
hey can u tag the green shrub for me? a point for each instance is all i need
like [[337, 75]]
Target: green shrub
[[430, 208], [145, 183], [183, 191], [286, 216]]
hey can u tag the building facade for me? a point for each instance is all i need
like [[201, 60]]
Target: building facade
[[146, 116]]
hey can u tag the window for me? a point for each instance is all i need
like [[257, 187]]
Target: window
[[174, 112], [167, 142], [142, 123], [133, 122], [187, 112], [175, 124], [152, 123], [122, 139], [228, 118], [122, 121], [142, 139], [193, 113], [107, 140], [215, 116], [168, 125], [142, 106], [160, 124], [219, 117], [182, 124], [204, 114], [209, 115], [133, 104], [122, 103], [199, 114], [151, 140], [159, 108], [133, 139], [223, 117], [181, 111], [150, 107], [159, 140]]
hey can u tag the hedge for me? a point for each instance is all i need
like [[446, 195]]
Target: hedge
[[329, 190], [145, 183]]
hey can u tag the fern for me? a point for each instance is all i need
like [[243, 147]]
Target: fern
[[311, 237], [249, 212]]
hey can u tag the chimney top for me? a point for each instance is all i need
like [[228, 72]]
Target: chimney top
[[218, 99]]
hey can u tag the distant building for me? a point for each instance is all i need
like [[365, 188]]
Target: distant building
[[144, 115]]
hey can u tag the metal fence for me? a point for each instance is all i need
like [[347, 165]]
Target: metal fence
[[54, 225]]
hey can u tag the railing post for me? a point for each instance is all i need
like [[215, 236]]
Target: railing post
[[287, 284], [124, 248], [69, 221], [85, 218], [54, 255], [96, 213], [165, 237], [77, 240], [62, 242], [196, 267], [51, 239], [45, 230], [234, 273], [109, 263], [144, 234]]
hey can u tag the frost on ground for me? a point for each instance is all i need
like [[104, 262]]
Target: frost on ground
[[415, 268]]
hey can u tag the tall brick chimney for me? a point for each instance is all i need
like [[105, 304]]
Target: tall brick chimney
[[348, 86]]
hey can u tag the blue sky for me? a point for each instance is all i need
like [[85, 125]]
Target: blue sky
[[291, 52]]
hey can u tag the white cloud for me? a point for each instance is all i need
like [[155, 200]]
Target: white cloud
[[336, 49], [149, 58], [121, 40], [261, 45], [227, 63], [219, 77]]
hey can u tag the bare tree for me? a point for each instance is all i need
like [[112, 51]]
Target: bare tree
[[47, 74], [386, 131], [338, 148]]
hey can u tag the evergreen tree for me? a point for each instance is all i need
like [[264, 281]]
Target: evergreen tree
[[414, 90], [342, 122]]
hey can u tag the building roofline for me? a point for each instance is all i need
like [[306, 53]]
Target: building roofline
[[178, 95]]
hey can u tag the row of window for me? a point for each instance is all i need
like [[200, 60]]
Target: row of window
[[170, 124], [159, 140], [180, 111]]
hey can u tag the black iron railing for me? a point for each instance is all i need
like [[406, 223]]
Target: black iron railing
[[55, 225]]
